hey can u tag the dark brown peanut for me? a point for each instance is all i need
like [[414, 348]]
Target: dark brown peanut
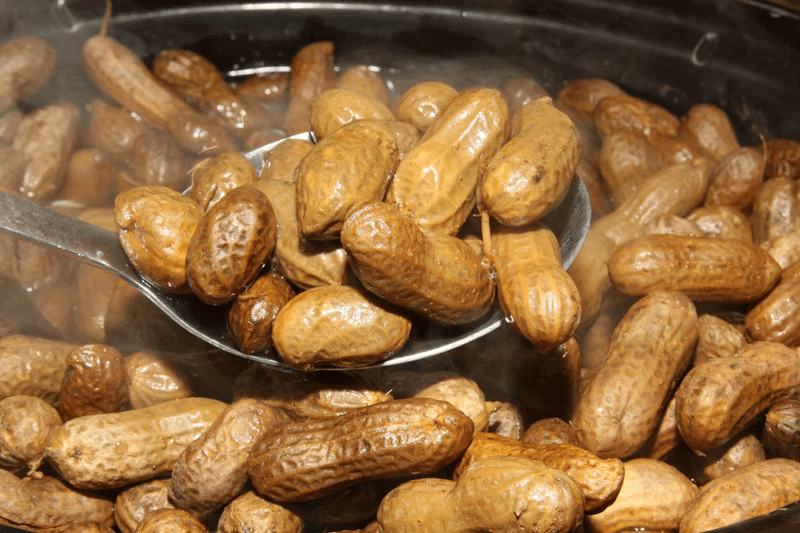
[[783, 159], [156, 159], [518, 92], [95, 382], [230, 245], [737, 453], [251, 316], [27, 424], [266, 88], [775, 318], [505, 419], [112, 129], [307, 460]]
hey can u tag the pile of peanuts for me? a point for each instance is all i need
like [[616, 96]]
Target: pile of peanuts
[[652, 386]]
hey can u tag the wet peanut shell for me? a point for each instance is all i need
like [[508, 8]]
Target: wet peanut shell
[[599, 479], [550, 431], [626, 159], [525, 496], [439, 276], [719, 398], [230, 245], [351, 166], [154, 377], [112, 129], [711, 128], [310, 74], [717, 338], [581, 96], [654, 496], [251, 512], [783, 159], [336, 107], [215, 177], [745, 493], [27, 424], [736, 178], [362, 79], [281, 162], [776, 209], [28, 63], [156, 159], [86, 451], [422, 103], [134, 503], [530, 174], [155, 226], [505, 419], [654, 341], [781, 434], [251, 316], [265, 88], [435, 183], [338, 326], [95, 382], [703, 268], [168, 520], [624, 112], [32, 366], [738, 452], [722, 221], [775, 318], [518, 92], [307, 460]]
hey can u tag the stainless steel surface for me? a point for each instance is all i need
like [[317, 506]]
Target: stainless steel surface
[[36, 224]]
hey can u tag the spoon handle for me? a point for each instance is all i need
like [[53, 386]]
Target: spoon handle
[[36, 224]]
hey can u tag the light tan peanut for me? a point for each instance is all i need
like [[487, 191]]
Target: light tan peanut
[[783, 159], [736, 178], [266, 88], [776, 209], [517, 92], [657, 196], [27, 424], [335, 108], [352, 166], [722, 221], [422, 103], [95, 382], [580, 97], [654, 496], [281, 162], [598, 479], [781, 433], [311, 73], [86, 451], [307, 460], [461, 392], [28, 63], [153, 378], [703, 268], [737, 453], [527, 497], [716, 338], [550, 431], [304, 395], [215, 177], [88, 179], [252, 314], [719, 398], [435, 182], [251, 512], [626, 159], [156, 159], [46, 138], [532, 286], [437, 276], [745, 493], [307, 264], [212, 470], [363, 79], [711, 128], [134, 503], [624, 112], [32, 366], [46, 502], [230, 245], [655, 341], [112, 129], [505, 419], [155, 227], [202, 85], [530, 174], [166, 520], [337, 326], [673, 225], [775, 318]]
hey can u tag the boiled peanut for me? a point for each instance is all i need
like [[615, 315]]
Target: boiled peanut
[[134, 503], [337, 326], [154, 378], [775, 317], [521, 488], [505, 419], [776, 209], [165, 520], [307, 460], [532, 286], [311, 73], [518, 92], [550, 431], [673, 225], [737, 453], [717, 338], [32, 366], [422, 103], [230, 245], [722, 221], [711, 128], [27, 424], [28, 63], [626, 159], [252, 314], [654, 341], [784, 248], [719, 398], [9, 122], [335, 108], [363, 79], [351, 166], [781, 434], [156, 159], [783, 159], [653, 496], [625, 112], [736, 178], [214, 177], [88, 179], [580, 97], [281, 162], [112, 129], [744, 493], [530, 174], [666, 437], [405, 134], [266, 88], [703, 268], [437, 276], [251, 512], [86, 451], [435, 182], [95, 382]]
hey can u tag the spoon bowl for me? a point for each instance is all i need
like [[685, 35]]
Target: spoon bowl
[[101, 248]]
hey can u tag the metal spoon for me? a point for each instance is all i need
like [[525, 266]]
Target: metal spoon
[[88, 243]]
